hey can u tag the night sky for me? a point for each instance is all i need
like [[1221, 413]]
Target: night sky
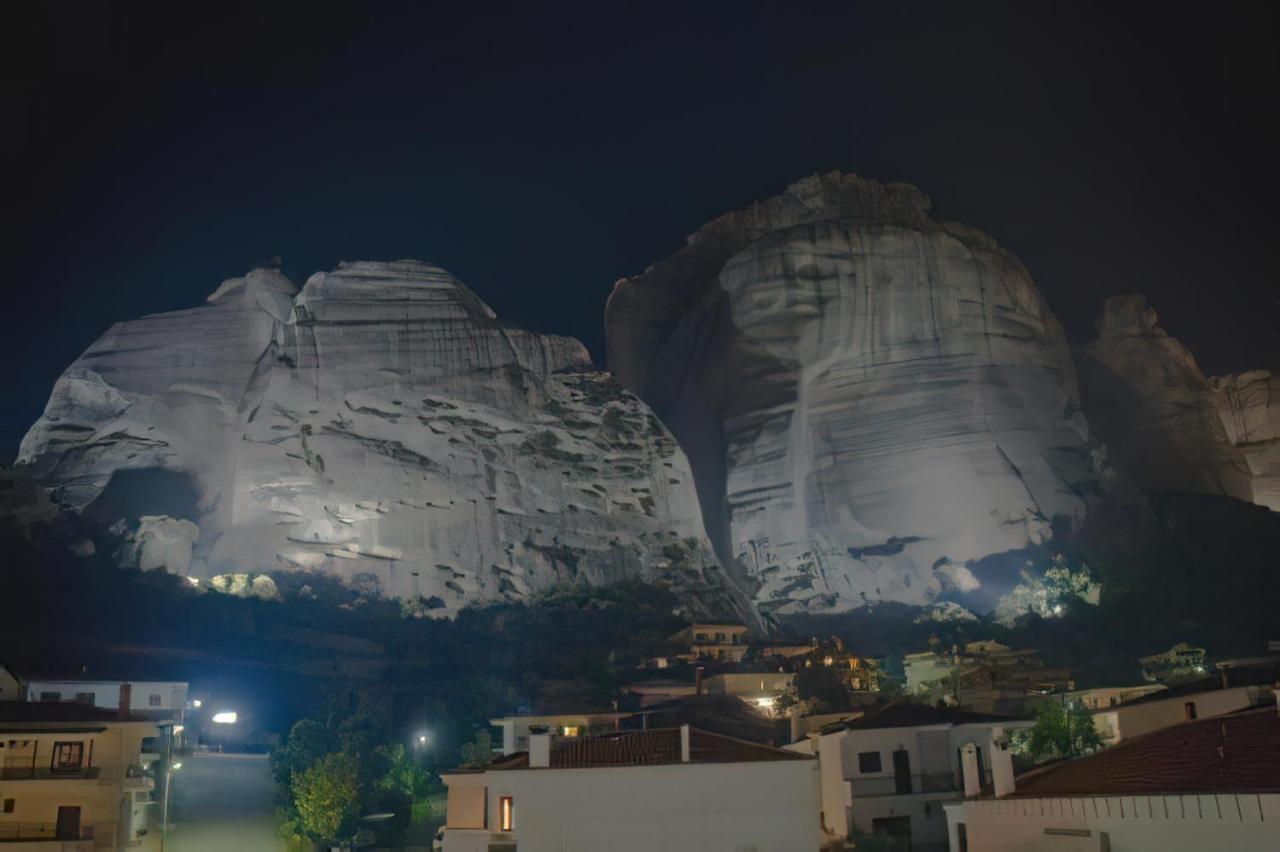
[[541, 154]]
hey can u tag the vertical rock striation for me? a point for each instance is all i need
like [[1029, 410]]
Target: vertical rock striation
[[1154, 409], [1249, 406], [385, 427], [873, 400]]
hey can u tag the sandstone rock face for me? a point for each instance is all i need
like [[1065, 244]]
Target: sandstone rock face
[[873, 400], [383, 426], [1154, 409], [1249, 406]]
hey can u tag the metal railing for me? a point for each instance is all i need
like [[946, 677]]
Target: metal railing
[[36, 773], [22, 832], [904, 785]]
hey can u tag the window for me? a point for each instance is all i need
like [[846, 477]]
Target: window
[[572, 730], [869, 761], [84, 698], [154, 699], [720, 638], [67, 757], [8, 806], [51, 696], [962, 836], [506, 814], [1190, 708]]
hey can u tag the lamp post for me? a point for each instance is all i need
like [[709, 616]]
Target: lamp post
[[164, 808]]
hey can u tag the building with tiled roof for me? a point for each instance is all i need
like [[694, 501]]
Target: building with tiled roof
[[669, 788], [888, 772], [1180, 703], [1203, 784]]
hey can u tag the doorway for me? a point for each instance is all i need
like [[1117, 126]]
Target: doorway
[[68, 827], [901, 772]]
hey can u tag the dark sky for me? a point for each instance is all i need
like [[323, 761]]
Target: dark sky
[[540, 154]]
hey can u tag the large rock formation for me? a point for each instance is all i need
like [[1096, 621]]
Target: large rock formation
[[383, 426], [873, 400], [1154, 409], [1249, 406]]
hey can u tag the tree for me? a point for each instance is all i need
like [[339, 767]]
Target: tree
[[307, 741], [824, 689], [1062, 729], [327, 797]]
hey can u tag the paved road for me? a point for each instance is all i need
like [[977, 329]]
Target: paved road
[[223, 803]]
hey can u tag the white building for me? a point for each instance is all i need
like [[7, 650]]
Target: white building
[[1209, 784], [1169, 707], [515, 729], [1105, 697], [674, 789], [889, 772], [152, 699], [73, 778]]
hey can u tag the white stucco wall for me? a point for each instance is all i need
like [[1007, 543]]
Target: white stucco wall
[[1122, 723], [1225, 823], [730, 807], [106, 694]]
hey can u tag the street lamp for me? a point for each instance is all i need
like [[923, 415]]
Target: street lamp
[[164, 808]]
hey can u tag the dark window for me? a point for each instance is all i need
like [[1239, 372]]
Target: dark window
[[1190, 708], [51, 696], [67, 757], [154, 699], [962, 837], [868, 761], [8, 806], [84, 698], [720, 638]]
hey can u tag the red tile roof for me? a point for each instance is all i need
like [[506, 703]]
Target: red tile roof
[[1237, 753], [648, 748], [910, 714]]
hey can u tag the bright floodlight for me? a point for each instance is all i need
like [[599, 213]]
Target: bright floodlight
[[226, 717], [196, 703], [422, 739]]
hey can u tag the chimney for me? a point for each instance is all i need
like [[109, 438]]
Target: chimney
[[1001, 764], [539, 747], [794, 712], [969, 770], [684, 743], [697, 680]]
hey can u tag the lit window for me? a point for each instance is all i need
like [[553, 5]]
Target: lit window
[[572, 730], [507, 813], [67, 757]]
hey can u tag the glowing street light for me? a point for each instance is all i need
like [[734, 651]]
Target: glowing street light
[[226, 717], [196, 703]]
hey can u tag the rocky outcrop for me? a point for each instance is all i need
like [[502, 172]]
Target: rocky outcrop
[[1153, 408], [1249, 406], [383, 426], [873, 400]]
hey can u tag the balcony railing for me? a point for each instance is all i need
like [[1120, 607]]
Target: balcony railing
[[904, 785], [13, 832], [39, 773]]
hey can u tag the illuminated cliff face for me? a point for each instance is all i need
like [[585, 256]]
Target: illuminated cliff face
[[872, 400], [384, 427]]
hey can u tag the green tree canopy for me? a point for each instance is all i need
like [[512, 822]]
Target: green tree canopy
[[1062, 729], [327, 797]]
